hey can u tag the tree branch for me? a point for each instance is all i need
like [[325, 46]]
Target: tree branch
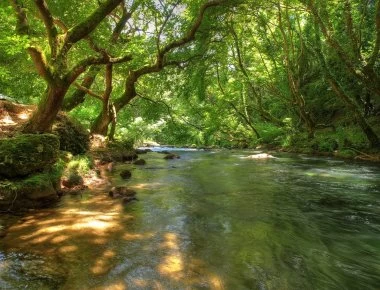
[[190, 35], [22, 27], [108, 80], [376, 49], [84, 28], [50, 27], [72, 75], [40, 63], [88, 91]]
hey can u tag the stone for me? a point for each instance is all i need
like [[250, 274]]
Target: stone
[[139, 162], [27, 153], [72, 135], [128, 199], [121, 192], [34, 191], [125, 174], [172, 156]]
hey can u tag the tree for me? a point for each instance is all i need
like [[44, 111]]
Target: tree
[[53, 66]]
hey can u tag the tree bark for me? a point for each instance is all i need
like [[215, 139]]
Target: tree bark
[[48, 108], [79, 95]]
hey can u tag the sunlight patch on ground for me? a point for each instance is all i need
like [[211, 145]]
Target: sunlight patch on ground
[[146, 185], [133, 237], [103, 264], [119, 285], [172, 264]]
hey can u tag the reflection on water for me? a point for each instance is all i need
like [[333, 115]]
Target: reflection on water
[[210, 220]]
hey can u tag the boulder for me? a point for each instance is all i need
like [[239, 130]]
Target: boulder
[[28, 153], [172, 156], [139, 162], [128, 199], [34, 191], [72, 136], [125, 174], [121, 192]]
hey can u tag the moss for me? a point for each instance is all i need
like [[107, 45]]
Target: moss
[[27, 153], [31, 192], [346, 153], [72, 136], [80, 164]]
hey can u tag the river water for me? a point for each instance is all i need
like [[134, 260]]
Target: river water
[[210, 220]]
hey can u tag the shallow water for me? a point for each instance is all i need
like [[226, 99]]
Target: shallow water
[[210, 220]]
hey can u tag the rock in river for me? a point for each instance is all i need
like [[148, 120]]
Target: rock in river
[[121, 192], [139, 162], [172, 156], [125, 174]]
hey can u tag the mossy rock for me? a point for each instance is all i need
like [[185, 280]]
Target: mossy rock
[[35, 191], [28, 153], [72, 136]]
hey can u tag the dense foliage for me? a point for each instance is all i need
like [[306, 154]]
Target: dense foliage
[[288, 73]]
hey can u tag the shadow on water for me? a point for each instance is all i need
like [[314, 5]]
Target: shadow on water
[[211, 220]]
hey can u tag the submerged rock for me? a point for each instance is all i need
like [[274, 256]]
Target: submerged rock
[[128, 199], [125, 174], [172, 156], [139, 162], [28, 153], [121, 192], [332, 201]]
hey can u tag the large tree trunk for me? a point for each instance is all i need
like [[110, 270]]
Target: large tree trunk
[[101, 124], [48, 108]]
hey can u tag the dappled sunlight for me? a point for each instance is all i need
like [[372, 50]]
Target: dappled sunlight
[[68, 249], [103, 264], [118, 285], [146, 185], [133, 237], [71, 232], [172, 264]]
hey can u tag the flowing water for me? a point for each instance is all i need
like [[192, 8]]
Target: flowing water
[[210, 220]]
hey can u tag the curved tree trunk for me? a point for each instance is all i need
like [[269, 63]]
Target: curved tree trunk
[[48, 108], [101, 123]]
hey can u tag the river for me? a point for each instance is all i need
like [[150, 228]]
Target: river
[[210, 220]]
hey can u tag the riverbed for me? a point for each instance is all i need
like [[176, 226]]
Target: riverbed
[[209, 220]]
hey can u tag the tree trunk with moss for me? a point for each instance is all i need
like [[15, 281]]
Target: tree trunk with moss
[[53, 67]]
